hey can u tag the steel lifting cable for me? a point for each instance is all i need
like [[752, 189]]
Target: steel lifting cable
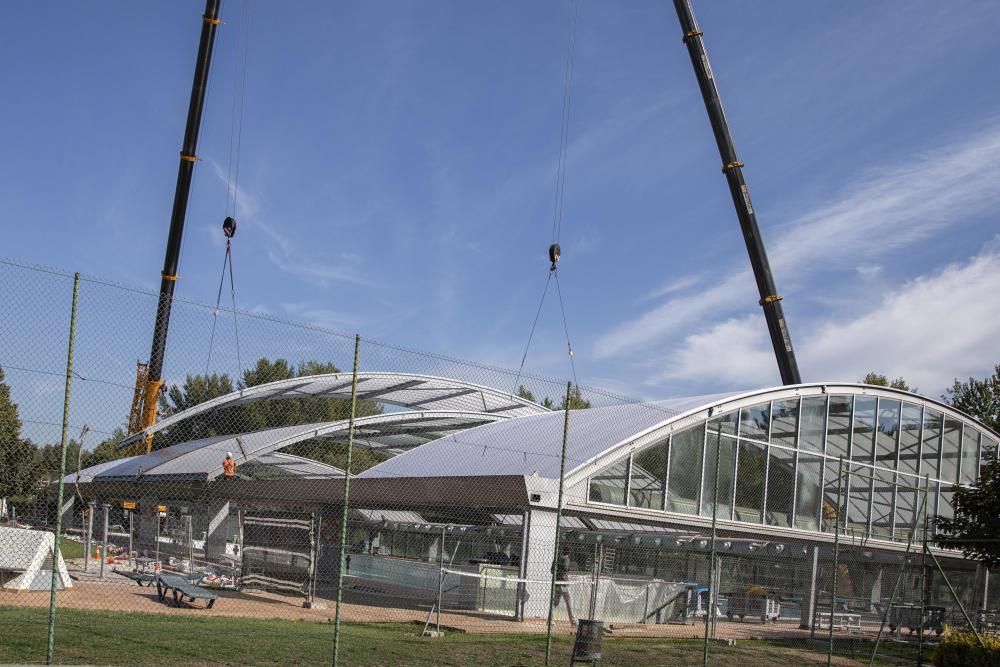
[[557, 212], [233, 178]]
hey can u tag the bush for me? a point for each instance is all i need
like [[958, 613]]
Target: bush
[[962, 649]]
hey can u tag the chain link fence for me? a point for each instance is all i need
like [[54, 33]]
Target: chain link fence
[[356, 502]]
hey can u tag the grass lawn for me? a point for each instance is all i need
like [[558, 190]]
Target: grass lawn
[[71, 549], [91, 637]]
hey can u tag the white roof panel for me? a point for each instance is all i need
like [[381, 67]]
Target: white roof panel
[[532, 445]]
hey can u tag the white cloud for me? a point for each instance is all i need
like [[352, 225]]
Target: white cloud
[[672, 287], [325, 318], [287, 255], [868, 271], [930, 330], [885, 210]]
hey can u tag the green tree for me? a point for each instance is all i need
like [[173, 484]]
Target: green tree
[[975, 528], [880, 380], [49, 457], [267, 414], [576, 400], [196, 390], [978, 398], [18, 473], [106, 450]]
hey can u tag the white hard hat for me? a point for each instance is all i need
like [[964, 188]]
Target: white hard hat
[[229, 455]]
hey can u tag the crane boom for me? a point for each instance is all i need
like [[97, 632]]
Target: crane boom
[[781, 340], [188, 156]]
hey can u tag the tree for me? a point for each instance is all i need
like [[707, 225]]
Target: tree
[[978, 398], [975, 528], [195, 390], [18, 473], [880, 380], [267, 414], [576, 400], [106, 450]]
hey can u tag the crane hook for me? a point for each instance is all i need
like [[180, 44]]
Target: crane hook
[[554, 254]]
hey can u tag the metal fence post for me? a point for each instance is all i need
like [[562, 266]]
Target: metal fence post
[[104, 536], [923, 577], [836, 556], [712, 592], [444, 530], [347, 491], [189, 524], [89, 534], [56, 537], [899, 578], [131, 529], [559, 502]]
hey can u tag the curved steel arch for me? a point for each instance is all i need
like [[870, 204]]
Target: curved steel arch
[[392, 433], [406, 390]]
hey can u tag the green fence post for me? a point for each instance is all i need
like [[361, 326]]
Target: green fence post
[[923, 577], [50, 648], [711, 564], [347, 493], [836, 556], [559, 503]]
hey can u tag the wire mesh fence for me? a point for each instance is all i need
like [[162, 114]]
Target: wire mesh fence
[[419, 509]]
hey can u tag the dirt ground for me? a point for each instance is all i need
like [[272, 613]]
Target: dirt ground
[[116, 593]]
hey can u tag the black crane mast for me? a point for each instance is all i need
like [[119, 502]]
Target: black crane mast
[[781, 340], [149, 376]]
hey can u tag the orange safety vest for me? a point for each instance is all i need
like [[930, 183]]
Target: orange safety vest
[[229, 467]]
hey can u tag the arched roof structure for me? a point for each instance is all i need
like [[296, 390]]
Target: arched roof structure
[[405, 390], [200, 460], [779, 454]]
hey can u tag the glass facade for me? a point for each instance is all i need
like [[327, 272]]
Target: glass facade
[[778, 465]]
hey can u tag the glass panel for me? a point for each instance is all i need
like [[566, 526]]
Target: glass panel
[[862, 442], [860, 496], [932, 443], [909, 442], [882, 495], [784, 422], [970, 456], [950, 450], [780, 487], [727, 466], [807, 492], [945, 507], [838, 434], [830, 513], [754, 421], [608, 485], [649, 469], [750, 481], [813, 423], [906, 505], [887, 433], [685, 470]]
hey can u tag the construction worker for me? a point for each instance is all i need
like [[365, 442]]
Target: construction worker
[[229, 466], [560, 569]]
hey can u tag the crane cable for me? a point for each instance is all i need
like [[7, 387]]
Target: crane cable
[[557, 212], [233, 176]]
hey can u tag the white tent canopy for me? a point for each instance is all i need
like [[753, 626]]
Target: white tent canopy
[[28, 555]]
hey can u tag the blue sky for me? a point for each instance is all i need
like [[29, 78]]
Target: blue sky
[[398, 162]]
